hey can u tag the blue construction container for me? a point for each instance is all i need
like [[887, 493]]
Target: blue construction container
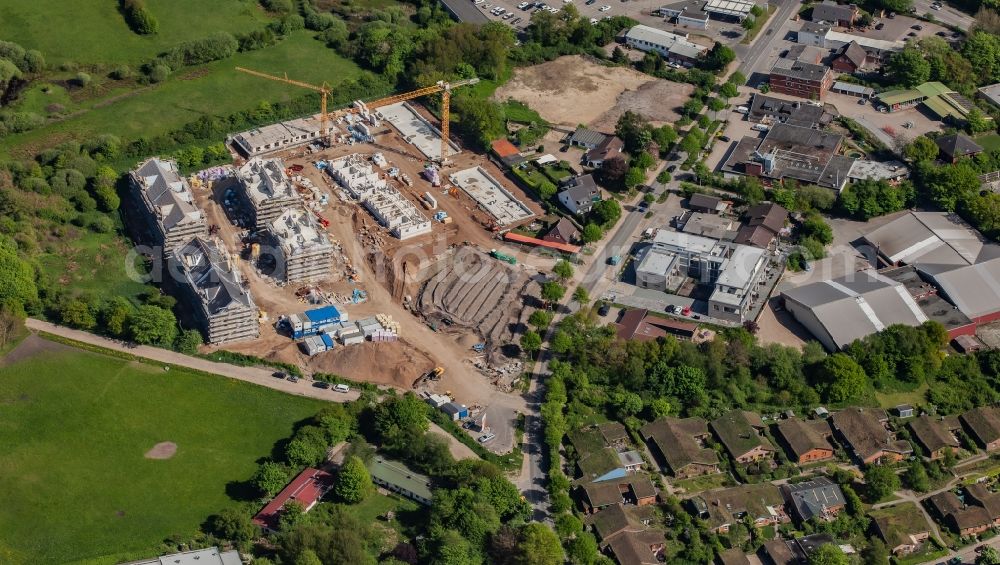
[[313, 322]]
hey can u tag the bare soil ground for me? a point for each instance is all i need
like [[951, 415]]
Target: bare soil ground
[[162, 450], [396, 364], [576, 90]]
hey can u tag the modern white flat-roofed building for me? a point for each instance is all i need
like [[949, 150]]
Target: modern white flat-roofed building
[[736, 288], [672, 46], [303, 250], [208, 556], [267, 188], [738, 9], [282, 135]]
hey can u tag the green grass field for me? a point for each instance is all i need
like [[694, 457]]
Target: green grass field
[[90, 263], [75, 425], [212, 89], [989, 142], [94, 33]]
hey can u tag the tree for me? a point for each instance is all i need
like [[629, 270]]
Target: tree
[[607, 212], [828, 554], [568, 525], [634, 177], [920, 149], [583, 549], [613, 170], [17, 278], [581, 296], [880, 481], [976, 121], [234, 524], [270, 478], [354, 484], [876, 553], [626, 403], [8, 71], [78, 314], [643, 160], [815, 227], [540, 319], [619, 56], [152, 325], [844, 380], [909, 67], [748, 23], [983, 52], [916, 476], [401, 415], [728, 90], [591, 233], [539, 546], [719, 56], [988, 556], [552, 291], [634, 131], [664, 136], [307, 448], [531, 342], [563, 269], [139, 18], [716, 104], [308, 557], [948, 186]]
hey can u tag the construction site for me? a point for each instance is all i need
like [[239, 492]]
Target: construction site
[[370, 210]]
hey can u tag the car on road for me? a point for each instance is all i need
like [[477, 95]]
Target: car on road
[[486, 437], [522, 5], [293, 378], [643, 206], [321, 384], [279, 375], [671, 168], [935, 6], [724, 138], [879, 26], [341, 388], [604, 8], [604, 309]]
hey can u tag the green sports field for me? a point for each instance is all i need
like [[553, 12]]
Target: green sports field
[[74, 428]]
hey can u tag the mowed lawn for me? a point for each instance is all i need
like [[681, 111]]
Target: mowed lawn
[[74, 428], [93, 32], [215, 89]]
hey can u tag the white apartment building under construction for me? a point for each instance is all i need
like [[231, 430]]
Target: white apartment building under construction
[[168, 201], [223, 308], [267, 188], [387, 204], [303, 250]]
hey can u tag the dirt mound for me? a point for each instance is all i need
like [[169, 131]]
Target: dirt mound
[[571, 90], [657, 100], [389, 363], [162, 450]]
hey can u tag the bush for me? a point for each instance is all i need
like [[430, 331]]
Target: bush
[[121, 72], [82, 79], [277, 6], [159, 73], [139, 18]]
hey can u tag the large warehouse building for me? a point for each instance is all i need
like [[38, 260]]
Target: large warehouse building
[[938, 268]]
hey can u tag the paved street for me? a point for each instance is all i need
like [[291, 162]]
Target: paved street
[[946, 14], [751, 55]]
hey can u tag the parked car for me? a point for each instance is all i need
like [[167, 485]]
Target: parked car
[[293, 378], [917, 27], [604, 309], [279, 374], [321, 384], [643, 206], [522, 5], [594, 21], [467, 425], [486, 437], [604, 8], [879, 26], [671, 168], [341, 388], [724, 138]]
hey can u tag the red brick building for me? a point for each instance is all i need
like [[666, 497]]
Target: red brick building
[[804, 80]]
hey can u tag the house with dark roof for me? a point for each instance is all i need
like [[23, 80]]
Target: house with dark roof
[[579, 194], [680, 443], [829, 11], [220, 305], [809, 156], [807, 441], [800, 78], [635, 489], [627, 533], [864, 432], [305, 489], [792, 551], [902, 527], [850, 59], [762, 503], [168, 202], [976, 512], [934, 435], [638, 324], [586, 138], [983, 424], [397, 477], [741, 433], [637, 548], [596, 461], [563, 231], [956, 146], [734, 556], [611, 147], [771, 110], [819, 498], [707, 204]]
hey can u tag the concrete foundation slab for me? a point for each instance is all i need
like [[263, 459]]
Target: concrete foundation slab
[[416, 130], [491, 195]]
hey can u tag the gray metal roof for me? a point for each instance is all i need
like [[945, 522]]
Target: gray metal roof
[[208, 272], [935, 240], [208, 556], [167, 192], [584, 136], [975, 289]]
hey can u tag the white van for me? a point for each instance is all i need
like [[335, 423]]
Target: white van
[[743, 109], [341, 388], [760, 127]]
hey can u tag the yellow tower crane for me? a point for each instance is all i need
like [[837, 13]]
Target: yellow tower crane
[[443, 87]]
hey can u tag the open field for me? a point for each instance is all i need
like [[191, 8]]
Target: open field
[[94, 32], [215, 89], [92, 263], [77, 425], [574, 90]]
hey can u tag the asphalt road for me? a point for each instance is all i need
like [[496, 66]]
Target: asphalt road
[[946, 15], [763, 41]]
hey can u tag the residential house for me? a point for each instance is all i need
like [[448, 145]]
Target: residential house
[[983, 424], [843, 15], [595, 460], [398, 478], [800, 78], [586, 138], [168, 202], [977, 512], [635, 489], [864, 432], [764, 222], [934, 435], [626, 534], [305, 489], [956, 146], [741, 433], [793, 551], [686, 13], [761, 503], [818, 498], [671, 46], [850, 59], [614, 434], [638, 324], [771, 110], [680, 443], [708, 204], [611, 147], [813, 33], [207, 556], [579, 194], [734, 556], [807, 440], [562, 232], [630, 460], [902, 527]]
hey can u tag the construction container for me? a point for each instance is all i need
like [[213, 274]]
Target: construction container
[[312, 322], [455, 410], [315, 344], [383, 336], [352, 338]]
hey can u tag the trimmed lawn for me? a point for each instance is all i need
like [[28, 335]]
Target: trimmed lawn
[[75, 427], [989, 142], [93, 32], [704, 482], [215, 89], [913, 398]]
